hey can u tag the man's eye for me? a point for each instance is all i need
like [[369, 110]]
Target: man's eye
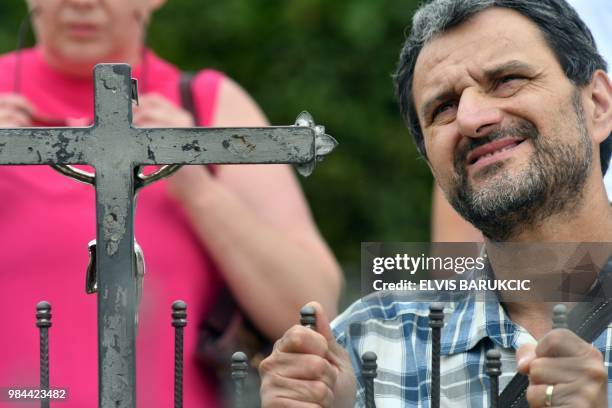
[[442, 109], [508, 85], [509, 78]]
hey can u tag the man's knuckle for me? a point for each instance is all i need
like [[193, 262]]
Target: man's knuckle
[[294, 340], [596, 372], [319, 367], [595, 354], [537, 370], [267, 365], [319, 390]]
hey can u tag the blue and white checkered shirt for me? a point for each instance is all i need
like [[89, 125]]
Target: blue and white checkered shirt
[[397, 330]]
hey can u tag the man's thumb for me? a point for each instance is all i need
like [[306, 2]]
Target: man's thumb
[[322, 321]]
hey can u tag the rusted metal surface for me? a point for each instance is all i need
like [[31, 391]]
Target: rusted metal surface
[[116, 150]]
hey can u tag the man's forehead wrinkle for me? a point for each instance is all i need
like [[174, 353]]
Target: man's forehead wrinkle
[[467, 42], [465, 53], [448, 73], [438, 67], [495, 31]]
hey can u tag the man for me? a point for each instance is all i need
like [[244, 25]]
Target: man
[[509, 102], [446, 224]]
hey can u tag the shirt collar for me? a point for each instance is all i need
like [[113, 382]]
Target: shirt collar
[[473, 319], [477, 316]]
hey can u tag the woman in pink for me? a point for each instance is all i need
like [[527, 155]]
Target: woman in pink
[[247, 227]]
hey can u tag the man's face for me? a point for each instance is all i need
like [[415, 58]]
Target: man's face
[[90, 30], [504, 129]]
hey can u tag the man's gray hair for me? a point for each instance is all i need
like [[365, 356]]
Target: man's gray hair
[[566, 34]]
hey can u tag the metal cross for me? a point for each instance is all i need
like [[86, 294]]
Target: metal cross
[[116, 150]]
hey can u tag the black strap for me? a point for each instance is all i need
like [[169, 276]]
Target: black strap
[[187, 100], [588, 320]]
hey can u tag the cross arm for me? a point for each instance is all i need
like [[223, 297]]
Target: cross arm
[[302, 144], [43, 146], [227, 145]]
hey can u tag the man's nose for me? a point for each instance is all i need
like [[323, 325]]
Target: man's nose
[[476, 115]]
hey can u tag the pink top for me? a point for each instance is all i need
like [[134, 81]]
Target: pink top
[[46, 221]]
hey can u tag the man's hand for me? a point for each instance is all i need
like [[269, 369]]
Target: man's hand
[[308, 369], [15, 111], [154, 110], [573, 367]]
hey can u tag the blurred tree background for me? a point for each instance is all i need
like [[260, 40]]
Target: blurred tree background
[[333, 58]]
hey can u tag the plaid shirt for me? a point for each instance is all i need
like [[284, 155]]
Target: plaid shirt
[[397, 330]]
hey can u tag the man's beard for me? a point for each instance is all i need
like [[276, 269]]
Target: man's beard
[[551, 184]]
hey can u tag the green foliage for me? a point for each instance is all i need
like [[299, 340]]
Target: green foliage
[[332, 58]]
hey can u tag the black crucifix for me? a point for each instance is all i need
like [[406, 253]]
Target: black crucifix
[[117, 150]]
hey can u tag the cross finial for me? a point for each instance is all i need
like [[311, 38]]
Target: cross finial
[[436, 315], [43, 314], [308, 317], [179, 314], [560, 316]]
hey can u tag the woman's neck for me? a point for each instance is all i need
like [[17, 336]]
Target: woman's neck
[[83, 69]]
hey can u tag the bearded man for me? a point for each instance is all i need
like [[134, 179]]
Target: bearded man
[[510, 104]]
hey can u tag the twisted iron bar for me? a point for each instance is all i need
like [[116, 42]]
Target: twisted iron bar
[[240, 368], [493, 365], [436, 322], [179, 321], [369, 372], [43, 322]]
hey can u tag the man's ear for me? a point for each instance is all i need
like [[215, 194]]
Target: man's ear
[[601, 100]]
